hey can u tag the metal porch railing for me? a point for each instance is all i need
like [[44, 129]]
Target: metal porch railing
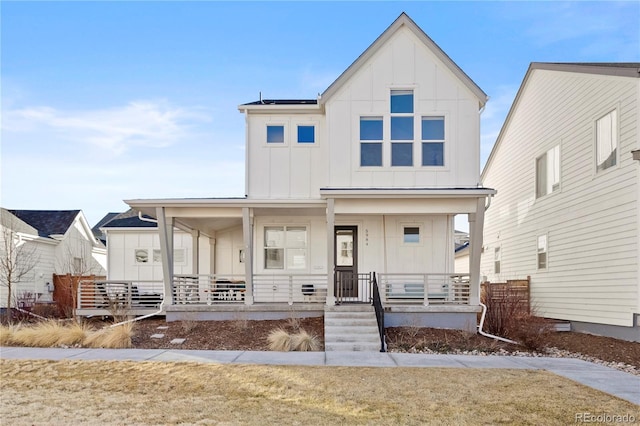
[[425, 289]]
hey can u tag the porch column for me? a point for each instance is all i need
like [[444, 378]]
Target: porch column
[[247, 228], [165, 227], [195, 251], [476, 224], [331, 221]]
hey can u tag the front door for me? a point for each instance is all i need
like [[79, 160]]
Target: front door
[[346, 262]]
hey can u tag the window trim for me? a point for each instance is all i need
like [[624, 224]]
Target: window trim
[[403, 227], [546, 252], [557, 163], [285, 248], [285, 135], [443, 141], [615, 127]]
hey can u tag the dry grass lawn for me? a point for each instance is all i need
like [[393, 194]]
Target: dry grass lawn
[[145, 393]]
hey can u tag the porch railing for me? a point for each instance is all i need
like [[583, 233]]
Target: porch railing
[[119, 295], [267, 288], [352, 287], [308, 288], [426, 289]]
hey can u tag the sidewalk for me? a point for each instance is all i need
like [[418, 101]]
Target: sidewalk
[[605, 379]]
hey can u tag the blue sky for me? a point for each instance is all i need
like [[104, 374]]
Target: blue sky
[[105, 101]]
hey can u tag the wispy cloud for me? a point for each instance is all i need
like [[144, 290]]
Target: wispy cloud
[[117, 129]]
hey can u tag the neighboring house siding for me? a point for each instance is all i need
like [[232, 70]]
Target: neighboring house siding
[[403, 63], [123, 264], [78, 243], [591, 221]]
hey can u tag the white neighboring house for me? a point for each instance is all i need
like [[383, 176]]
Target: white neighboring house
[[133, 249], [568, 208], [367, 177], [62, 243]]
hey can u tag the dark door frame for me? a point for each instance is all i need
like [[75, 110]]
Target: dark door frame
[[346, 277]]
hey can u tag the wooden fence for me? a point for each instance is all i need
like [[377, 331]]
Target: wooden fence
[[513, 292], [65, 291]]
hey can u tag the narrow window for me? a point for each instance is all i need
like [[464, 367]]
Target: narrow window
[[496, 260], [542, 252], [606, 141], [370, 152], [274, 247], [77, 265], [275, 134], [548, 172], [411, 234], [306, 134], [402, 128], [432, 141]]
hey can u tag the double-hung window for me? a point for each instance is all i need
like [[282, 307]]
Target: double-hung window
[[607, 140], [402, 128], [285, 247], [371, 141], [497, 258], [548, 172], [432, 141], [542, 252]]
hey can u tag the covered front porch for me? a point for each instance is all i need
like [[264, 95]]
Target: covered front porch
[[283, 258]]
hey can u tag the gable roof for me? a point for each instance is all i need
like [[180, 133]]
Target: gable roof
[[9, 220], [619, 69], [47, 222], [129, 219], [404, 21]]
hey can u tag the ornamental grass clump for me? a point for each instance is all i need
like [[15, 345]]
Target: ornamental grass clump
[[118, 337], [6, 334], [279, 340], [305, 342]]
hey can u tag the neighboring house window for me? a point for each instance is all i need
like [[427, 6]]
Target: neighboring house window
[[77, 265], [370, 152], [542, 252], [402, 127], [306, 134], [497, 257], [411, 234], [433, 141], [142, 255], [548, 172], [285, 247], [178, 256], [606, 140], [275, 134]]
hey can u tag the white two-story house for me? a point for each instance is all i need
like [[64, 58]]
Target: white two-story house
[[567, 213], [366, 178]]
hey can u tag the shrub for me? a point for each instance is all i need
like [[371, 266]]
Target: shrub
[[530, 331], [303, 341], [279, 340], [118, 337]]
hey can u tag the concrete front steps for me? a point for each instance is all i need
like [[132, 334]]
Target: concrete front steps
[[351, 328]]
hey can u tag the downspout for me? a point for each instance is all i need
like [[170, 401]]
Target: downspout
[[161, 309], [484, 307]]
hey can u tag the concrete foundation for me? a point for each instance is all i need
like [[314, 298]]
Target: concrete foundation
[[631, 334]]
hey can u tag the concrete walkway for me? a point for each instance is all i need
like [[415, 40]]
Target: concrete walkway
[[605, 379]]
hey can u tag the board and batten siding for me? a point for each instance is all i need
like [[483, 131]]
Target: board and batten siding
[[404, 63], [591, 222]]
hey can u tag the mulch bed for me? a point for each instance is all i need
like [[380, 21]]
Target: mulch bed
[[252, 335]]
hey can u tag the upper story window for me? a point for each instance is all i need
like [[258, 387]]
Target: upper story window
[[548, 172], [402, 128], [606, 140], [306, 134], [432, 141], [371, 152], [275, 134]]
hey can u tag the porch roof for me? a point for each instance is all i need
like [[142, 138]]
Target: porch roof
[[406, 192]]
